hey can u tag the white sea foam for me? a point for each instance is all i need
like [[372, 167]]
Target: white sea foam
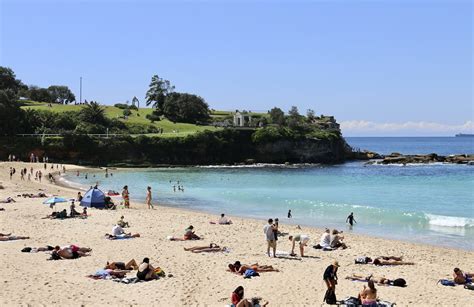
[[449, 221]]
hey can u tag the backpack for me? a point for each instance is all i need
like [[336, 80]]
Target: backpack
[[26, 250], [250, 273], [447, 282], [399, 282], [469, 287], [330, 297]]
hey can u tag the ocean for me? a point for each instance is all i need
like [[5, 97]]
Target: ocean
[[431, 204]]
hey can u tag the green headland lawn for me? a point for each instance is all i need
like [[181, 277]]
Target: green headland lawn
[[170, 129]]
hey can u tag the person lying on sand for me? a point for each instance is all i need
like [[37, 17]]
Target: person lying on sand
[[131, 265], [383, 260], [238, 300], [37, 249], [239, 268], [9, 237], [146, 271], [105, 273], [462, 278], [69, 252], [206, 249], [302, 240], [31, 195], [398, 282], [8, 200]]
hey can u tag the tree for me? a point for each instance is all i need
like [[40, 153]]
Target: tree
[[294, 117], [8, 80], [136, 102], [61, 94], [39, 94], [187, 108], [277, 116], [158, 90], [93, 113], [126, 112], [310, 115], [11, 115]]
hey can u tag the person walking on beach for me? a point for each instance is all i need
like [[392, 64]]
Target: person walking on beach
[[270, 236], [126, 197], [148, 198], [330, 278], [350, 219], [289, 214]]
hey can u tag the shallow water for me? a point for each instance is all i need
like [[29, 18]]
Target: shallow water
[[432, 204]]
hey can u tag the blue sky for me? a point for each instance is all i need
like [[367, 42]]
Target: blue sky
[[381, 67]]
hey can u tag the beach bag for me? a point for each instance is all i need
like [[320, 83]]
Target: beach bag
[[330, 297], [159, 272], [447, 282], [399, 282], [250, 273], [469, 287], [361, 260], [352, 302], [26, 250]]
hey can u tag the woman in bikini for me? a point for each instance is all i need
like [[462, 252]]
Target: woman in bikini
[[148, 198], [146, 271], [462, 278], [131, 265], [368, 295], [205, 249], [126, 197], [9, 237], [239, 268]]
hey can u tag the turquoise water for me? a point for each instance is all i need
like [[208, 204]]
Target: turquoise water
[[427, 203]]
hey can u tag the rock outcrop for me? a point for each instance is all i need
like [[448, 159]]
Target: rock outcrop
[[397, 158]]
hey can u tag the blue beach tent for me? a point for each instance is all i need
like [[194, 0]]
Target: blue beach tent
[[94, 198]]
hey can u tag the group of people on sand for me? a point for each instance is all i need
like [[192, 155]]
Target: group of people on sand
[[119, 233], [331, 240]]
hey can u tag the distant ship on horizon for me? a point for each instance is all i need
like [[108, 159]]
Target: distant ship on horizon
[[464, 135]]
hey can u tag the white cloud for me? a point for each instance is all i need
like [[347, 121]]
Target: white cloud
[[362, 127]]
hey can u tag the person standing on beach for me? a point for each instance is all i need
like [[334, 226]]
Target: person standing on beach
[[350, 219], [148, 198], [330, 278], [126, 197], [289, 214], [270, 236]]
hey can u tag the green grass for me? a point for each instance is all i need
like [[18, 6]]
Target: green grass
[[170, 129]]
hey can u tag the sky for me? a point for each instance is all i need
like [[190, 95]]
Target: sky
[[380, 67]]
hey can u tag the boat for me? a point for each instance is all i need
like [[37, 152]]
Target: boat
[[464, 135]]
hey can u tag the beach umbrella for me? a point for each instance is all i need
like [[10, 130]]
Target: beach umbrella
[[54, 200]]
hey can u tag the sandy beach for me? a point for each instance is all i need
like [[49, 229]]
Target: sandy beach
[[198, 279]]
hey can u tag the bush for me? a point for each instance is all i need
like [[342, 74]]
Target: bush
[[121, 105], [153, 117]]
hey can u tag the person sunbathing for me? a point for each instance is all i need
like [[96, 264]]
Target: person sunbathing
[[105, 273], [146, 271], [122, 222], [462, 278], [383, 260], [122, 236], [239, 268], [190, 235], [131, 265], [8, 200], [368, 295], [224, 220], [9, 237], [69, 252], [37, 249], [205, 249], [238, 300], [398, 282]]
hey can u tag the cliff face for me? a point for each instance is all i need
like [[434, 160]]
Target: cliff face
[[222, 147], [303, 151]]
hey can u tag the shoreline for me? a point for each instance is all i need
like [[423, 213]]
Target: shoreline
[[61, 181], [198, 278]]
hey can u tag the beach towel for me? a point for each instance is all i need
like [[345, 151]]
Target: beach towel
[[351, 302], [447, 282], [280, 253], [385, 304]]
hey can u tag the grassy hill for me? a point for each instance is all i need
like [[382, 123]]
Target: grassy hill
[[170, 129]]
